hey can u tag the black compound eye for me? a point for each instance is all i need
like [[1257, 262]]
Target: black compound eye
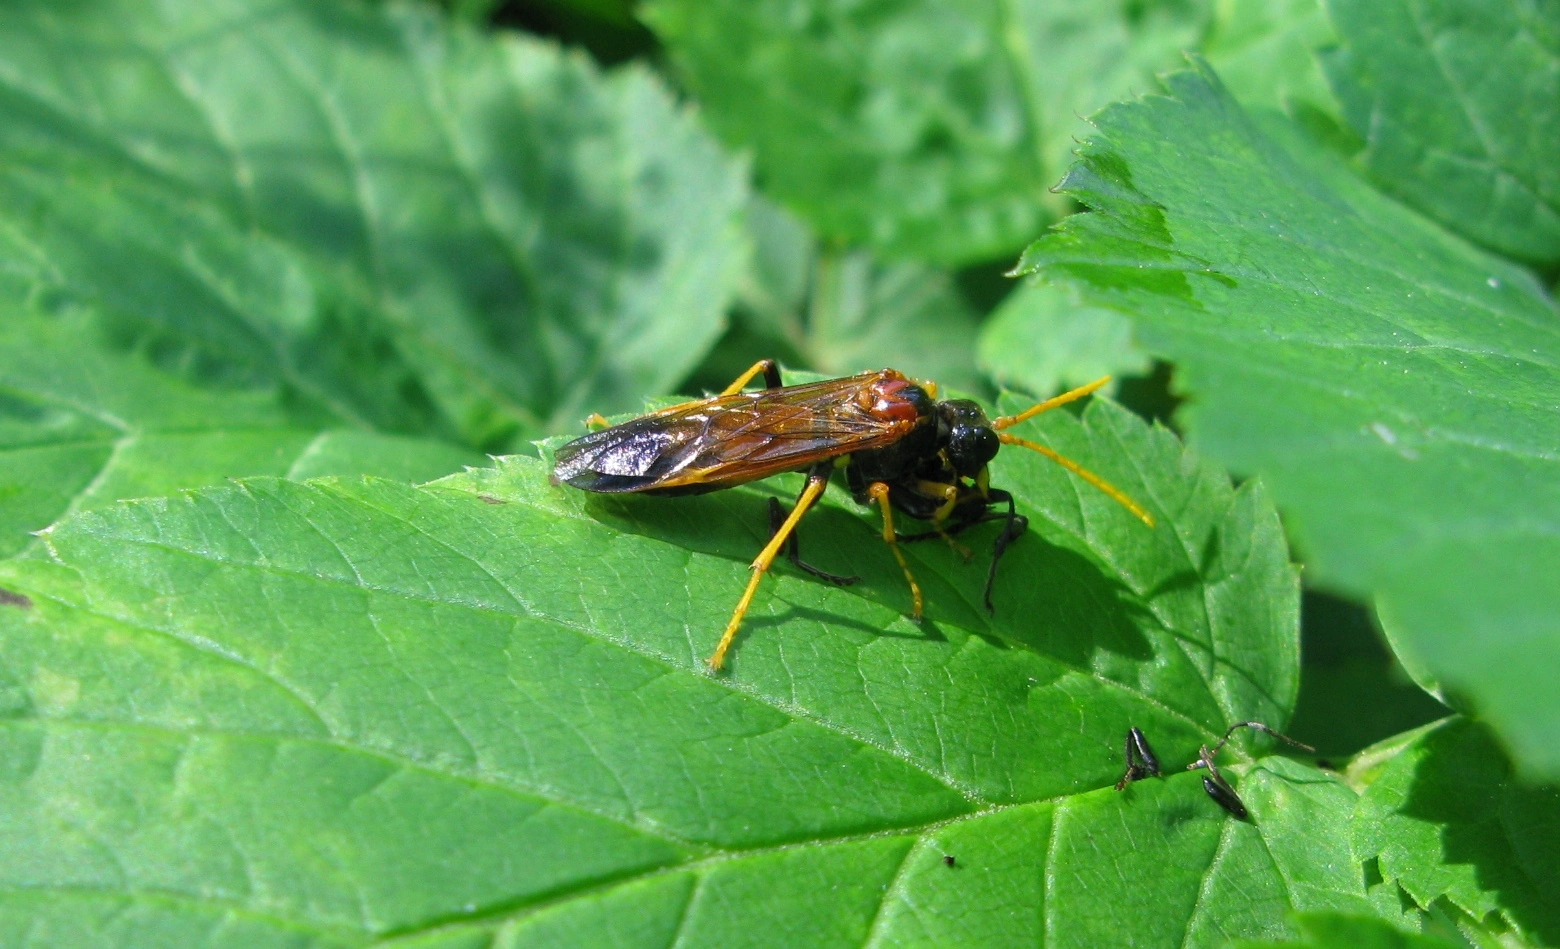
[[971, 448]]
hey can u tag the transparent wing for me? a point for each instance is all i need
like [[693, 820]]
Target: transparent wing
[[720, 442]]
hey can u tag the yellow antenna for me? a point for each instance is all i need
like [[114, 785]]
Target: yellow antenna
[[1110, 490]]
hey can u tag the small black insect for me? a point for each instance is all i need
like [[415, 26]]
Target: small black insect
[[1224, 795], [1214, 783], [948, 860], [1141, 760]]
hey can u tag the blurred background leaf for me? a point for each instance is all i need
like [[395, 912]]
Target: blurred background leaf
[[1353, 692], [1343, 931], [1044, 338], [83, 425], [1265, 51], [919, 129], [840, 312], [353, 200]]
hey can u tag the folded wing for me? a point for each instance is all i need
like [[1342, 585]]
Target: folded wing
[[716, 443]]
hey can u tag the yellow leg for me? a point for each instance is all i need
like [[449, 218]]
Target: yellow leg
[[879, 492], [597, 422], [1115, 493], [816, 482], [948, 492], [1008, 421], [950, 496], [765, 366]]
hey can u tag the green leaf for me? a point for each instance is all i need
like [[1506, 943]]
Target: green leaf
[[1445, 819], [921, 129], [1044, 339], [1342, 931], [475, 711], [1396, 388], [1265, 51], [82, 425], [361, 202], [1459, 106]]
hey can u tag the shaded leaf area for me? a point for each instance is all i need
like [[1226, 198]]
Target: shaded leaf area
[[1445, 819], [1043, 338], [1343, 931], [1353, 692], [920, 129], [332, 712], [1459, 107], [1396, 388], [83, 424], [412, 225]]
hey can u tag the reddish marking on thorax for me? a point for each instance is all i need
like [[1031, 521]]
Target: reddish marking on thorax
[[885, 399]]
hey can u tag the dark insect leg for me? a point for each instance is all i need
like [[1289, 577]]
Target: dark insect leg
[[961, 523], [1015, 526], [953, 527], [1258, 726], [793, 548], [770, 371]]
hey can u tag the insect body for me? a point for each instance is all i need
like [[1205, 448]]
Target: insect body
[[1141, 760], [1215, 784], [900, 448], [1143, 763]]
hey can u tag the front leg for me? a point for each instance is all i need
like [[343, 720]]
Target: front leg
[[1015, 526], [880, 493]]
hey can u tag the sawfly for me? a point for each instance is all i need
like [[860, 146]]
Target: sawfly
[[899, 447]]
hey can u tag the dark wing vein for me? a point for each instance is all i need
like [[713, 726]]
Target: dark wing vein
[[720, 442]]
